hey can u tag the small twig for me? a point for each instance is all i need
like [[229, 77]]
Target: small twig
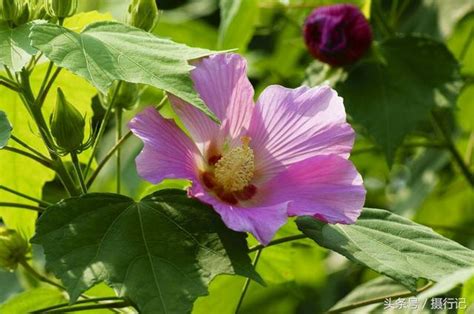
[[40, 202], [25, 145], [115, 305], [278, 241], [107, 157], [45, 162], [118, 137], [247, 281], [40, 277], [24, 206], [380, 299]]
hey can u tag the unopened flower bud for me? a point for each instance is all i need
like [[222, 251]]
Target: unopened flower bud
[[337, 34], [61, 8], [143, 14], [13, 249], [67, 125], [127, 95]]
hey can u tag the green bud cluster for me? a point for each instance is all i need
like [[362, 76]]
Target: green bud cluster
[[61, 8], [143, 14], [67, 126], [15, 12], [13, 249]]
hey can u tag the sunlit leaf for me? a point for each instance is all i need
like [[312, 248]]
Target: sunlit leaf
[[34, 299], [109, 51], [238, 19], [161, 252], [391, 245], [15, 47]]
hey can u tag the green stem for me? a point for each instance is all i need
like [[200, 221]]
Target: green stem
[[40, 277], [58, 306], [9, 73], [24, 206], [452, 148], [45, 162], [115, 305], [25, 145], [9, 86], [278, 241], [46, 78], [247, 282], [118, 119], [380, 299], [102, 128], [40, 202], [42, 97], [107, 157], [80, 176]]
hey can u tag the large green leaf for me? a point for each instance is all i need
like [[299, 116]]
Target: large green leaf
[[391, 94], [391, 245], [15, 48], [109, 51], [461, 43], [238, 20], [161, 252], [5, 129]]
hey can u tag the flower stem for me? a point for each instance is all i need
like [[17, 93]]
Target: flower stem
[[247, 282], [45, 162], [58, 306], [118, 119], [40, 277], [40, 202], [80, 176], [278, 241], [42, 96], [452, 148], [107, 157], [102, 128], [380, 299], [24, 206]]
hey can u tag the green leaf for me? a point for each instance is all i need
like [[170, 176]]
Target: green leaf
[[109, 51], [390, 94], [461, 43], [5, 129], [161, 252], [15, 48], [32, 300], [468, 294], [375, 288], [448, 283], [392, 245], [238, 20]]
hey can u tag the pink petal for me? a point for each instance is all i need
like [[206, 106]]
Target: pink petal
[[290, 125], [262, 221], [326, 187], [222, 83], [168, 152]]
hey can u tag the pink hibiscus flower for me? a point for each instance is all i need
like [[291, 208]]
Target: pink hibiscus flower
[[286, 155]]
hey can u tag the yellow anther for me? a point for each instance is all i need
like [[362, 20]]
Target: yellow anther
[[235, 169]]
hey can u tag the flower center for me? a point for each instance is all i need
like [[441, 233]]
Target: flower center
[[235, 169]]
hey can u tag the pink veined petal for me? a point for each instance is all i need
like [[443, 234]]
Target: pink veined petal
[[326, 187], [168, 152], [290, 125], [261, 221], [221, 81]]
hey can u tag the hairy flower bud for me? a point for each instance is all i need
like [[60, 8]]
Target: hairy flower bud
[[143, 14], [13, 249], [67, 125], [337, 34], [61, 8], [126, 97]]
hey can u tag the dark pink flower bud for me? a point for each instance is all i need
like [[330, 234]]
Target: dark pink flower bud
[[337, 34]]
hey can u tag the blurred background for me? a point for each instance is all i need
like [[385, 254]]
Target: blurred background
[[423, 183]]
